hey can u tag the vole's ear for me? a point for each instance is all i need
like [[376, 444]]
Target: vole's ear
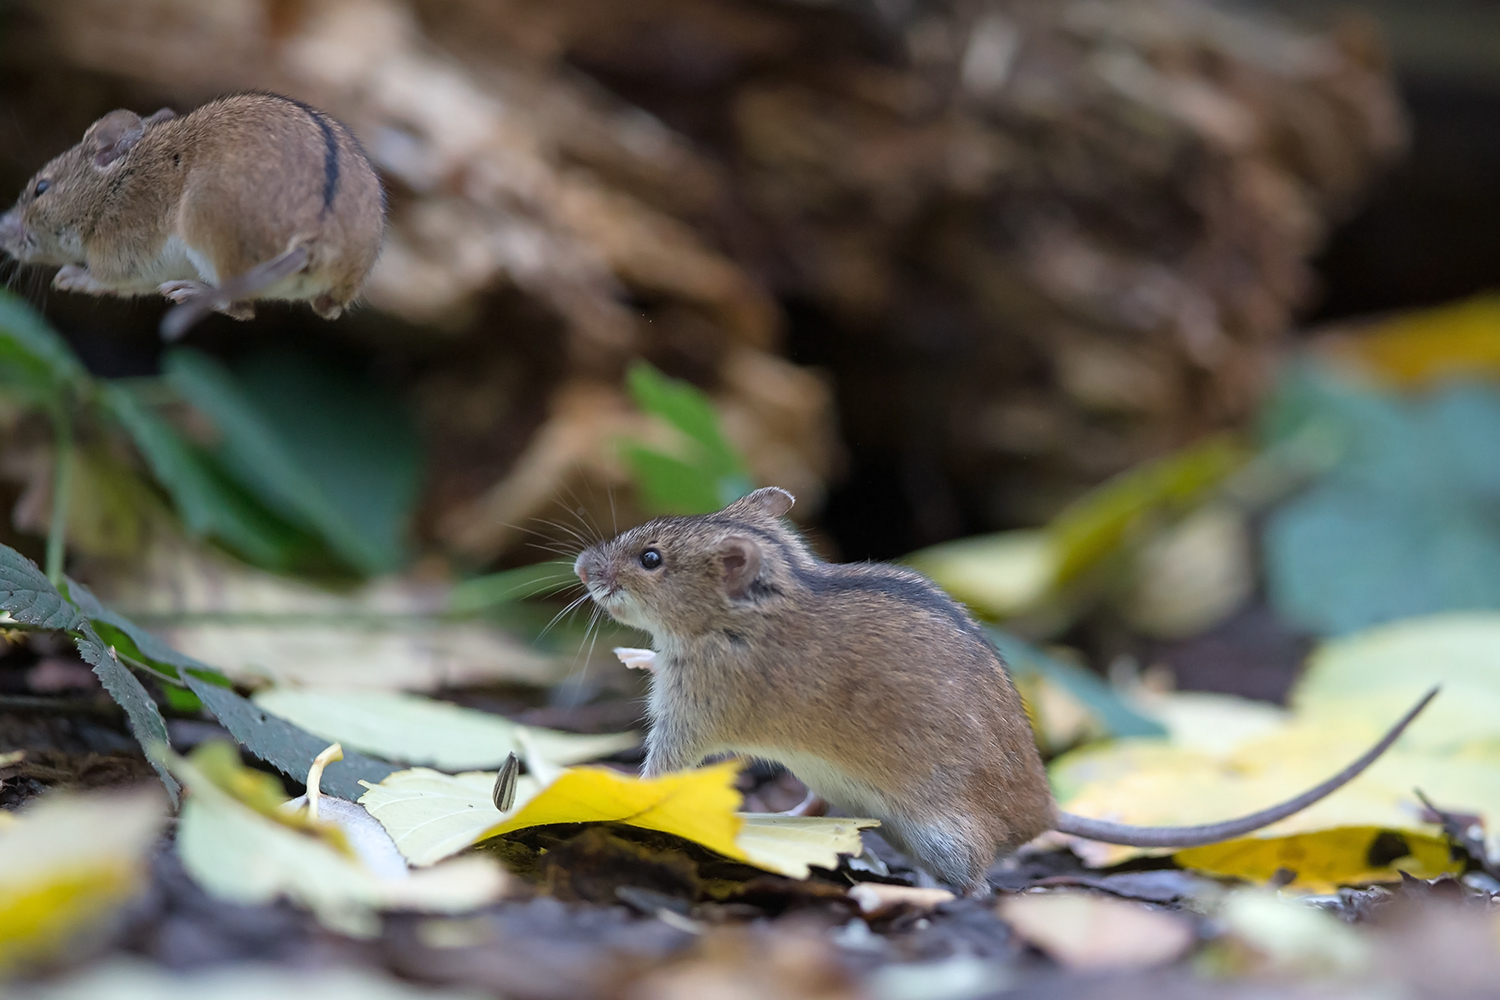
[[740, 557], [157, 117], [768, 501], [112, 136]]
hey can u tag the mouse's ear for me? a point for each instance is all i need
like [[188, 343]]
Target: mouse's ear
[[768, 501], [740, 558], [112, 136]]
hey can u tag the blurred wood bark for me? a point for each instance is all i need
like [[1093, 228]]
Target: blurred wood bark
[[1031, 242]]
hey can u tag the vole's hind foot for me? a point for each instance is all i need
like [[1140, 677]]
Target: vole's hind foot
[[327, 306], [184, 290]]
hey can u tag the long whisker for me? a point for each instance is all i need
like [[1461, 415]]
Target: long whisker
[[558, 617]]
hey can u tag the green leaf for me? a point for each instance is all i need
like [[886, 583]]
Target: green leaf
[[286, 747], [1118, 718], [29, 596], [146, 723], [1097, 524], [510, 585], [121, 632], [669, 485], [1405, 521], [325, 453], [32, 355], [209, 503], [708, 473], [354, 438]]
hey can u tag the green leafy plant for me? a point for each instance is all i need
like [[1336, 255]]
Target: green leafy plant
[[310, 470], [117, 648], [701, 475]]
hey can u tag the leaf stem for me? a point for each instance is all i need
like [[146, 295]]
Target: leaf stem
[[62, 489]]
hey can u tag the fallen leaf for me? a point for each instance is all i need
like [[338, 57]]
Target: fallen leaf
[[1369, 830], [1192, 575], [418, 730], [1003, 575], [124, 979], [67, 862], [1266, 933], [788, 845], [257, 627], [1092, 932], [241, 855], [432, 816]]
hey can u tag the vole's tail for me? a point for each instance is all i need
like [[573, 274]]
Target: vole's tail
[[1213, 833]]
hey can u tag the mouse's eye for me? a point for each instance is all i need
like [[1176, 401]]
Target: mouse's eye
[[41, 188], [651, 559]]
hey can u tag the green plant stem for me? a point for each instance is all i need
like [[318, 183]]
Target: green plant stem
[[62, 490]]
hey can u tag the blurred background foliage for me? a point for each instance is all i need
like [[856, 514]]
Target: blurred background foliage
[[1122, 320]]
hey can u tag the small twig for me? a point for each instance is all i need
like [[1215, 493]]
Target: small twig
[[315, 778], [62, 489]]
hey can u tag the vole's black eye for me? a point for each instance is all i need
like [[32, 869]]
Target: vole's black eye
[[651, 559], [41, 188]]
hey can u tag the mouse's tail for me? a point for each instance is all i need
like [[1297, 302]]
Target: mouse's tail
[[1213, 833]]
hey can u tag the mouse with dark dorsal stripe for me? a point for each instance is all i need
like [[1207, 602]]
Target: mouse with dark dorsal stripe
[[865, 680], [248, 197]]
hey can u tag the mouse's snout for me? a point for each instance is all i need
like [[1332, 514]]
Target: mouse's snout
[[590, 565], [12, 232]]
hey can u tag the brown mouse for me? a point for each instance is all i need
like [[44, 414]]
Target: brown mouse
[[865, 680], [248, 197]]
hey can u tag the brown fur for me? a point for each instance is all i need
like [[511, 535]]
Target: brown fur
[[867, 670], [187, 206]]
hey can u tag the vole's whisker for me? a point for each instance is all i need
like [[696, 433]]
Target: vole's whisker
[[558, 617]]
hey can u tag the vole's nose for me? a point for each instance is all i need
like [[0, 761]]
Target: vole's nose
[[581, 567], [11, 231]]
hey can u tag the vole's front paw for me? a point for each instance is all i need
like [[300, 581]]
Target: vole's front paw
[[637, 659], [75, 278], [184, 290]]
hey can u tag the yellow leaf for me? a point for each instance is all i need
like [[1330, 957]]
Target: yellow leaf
[[1174, 782], [696, 805], [68, 861], [419, 730], [1325, 858], [790, 844], [431, 815], [1418, 347]]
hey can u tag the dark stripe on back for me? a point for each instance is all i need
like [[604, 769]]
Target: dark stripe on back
[[904, 585], [330, 150]]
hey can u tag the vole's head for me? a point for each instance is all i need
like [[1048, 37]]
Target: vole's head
[[686, 576], [61, 205]]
